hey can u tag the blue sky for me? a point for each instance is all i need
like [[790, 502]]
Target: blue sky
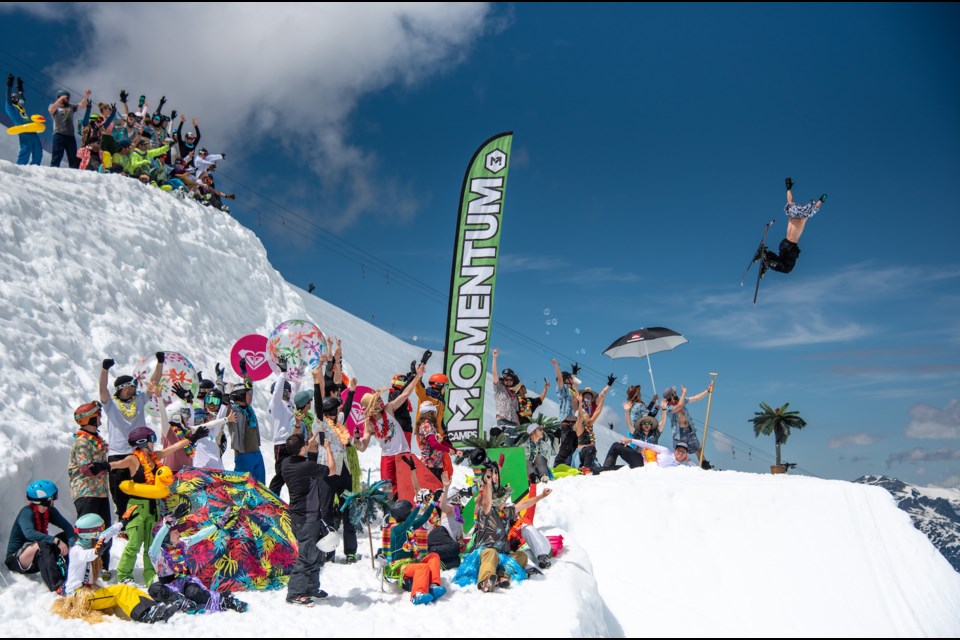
[[650, 147]]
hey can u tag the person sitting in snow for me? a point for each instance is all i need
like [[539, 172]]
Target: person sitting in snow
[[31, 548], [421, 575], [492, 565], [679, 457], [647, 430], [83, 595], [174, 584], [538, 450]]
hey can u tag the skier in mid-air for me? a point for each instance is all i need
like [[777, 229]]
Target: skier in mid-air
[[798, 215]]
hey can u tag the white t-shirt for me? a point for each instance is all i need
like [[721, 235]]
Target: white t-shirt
[[119, 426], [393, 442]]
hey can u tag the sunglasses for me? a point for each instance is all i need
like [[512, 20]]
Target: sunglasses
[[142, 442], [213, 401]]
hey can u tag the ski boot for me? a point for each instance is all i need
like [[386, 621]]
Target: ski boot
[[422, 598], [437, 592], [543, 560], [319, 594], [789, 182], [158, 613], [351, 558], [488, 585], [229, 602]]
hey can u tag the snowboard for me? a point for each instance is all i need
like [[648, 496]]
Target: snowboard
[[758, 257]]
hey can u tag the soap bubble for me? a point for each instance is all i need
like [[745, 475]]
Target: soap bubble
[[625, 379], [546, 311], [414, 338], [577, 331], [548, 322], [553, 322]]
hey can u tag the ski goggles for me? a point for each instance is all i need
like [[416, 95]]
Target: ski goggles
[[142, 442], [95, 408], [213, 401], [43, 502], [132, 383]]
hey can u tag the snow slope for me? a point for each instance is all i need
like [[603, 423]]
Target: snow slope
[[99, 266]]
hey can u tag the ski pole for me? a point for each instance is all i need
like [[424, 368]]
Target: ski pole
[[706, 420]]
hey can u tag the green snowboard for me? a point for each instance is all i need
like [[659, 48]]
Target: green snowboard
[[514, 473]]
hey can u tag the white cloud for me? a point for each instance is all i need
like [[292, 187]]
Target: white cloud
[[285, 76], [931, 422], [819, 309], [857, 439], [721, 442], [513, 263]]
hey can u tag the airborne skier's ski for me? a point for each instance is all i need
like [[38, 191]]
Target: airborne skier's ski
[[758, 257]]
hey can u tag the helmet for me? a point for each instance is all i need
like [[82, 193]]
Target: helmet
[[424, 496], [330, 405], [401, 510], [329, 542], [302, 399], [85, 413], [214, 397], [63, 92], [273, 387], [439, 378], [141, 436], [202, 150], [206, 384], [89, 526], [239, 391], [399, 381], [669, 393], [508, 373], [42, 491]]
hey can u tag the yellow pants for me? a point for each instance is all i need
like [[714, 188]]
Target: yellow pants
[[118, 595], [490, 559]]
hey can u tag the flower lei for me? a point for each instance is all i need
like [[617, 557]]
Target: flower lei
[[175, 560], [41, 520], [182, 432], [97, 440], [305, 417], [145, 464], [343, 434], [127, 408], [387, 432]]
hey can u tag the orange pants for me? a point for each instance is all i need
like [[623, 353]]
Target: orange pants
[[423, 574]]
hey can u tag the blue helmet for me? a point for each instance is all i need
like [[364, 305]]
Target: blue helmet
[[89, 526], [40, 491]]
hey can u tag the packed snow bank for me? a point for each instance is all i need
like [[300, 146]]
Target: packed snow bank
[[706, 553]]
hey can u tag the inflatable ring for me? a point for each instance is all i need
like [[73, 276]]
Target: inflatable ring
[[38, 125], [160, 488]]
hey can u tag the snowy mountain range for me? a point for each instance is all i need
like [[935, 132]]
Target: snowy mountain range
[[101, 266], [935, 512]]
